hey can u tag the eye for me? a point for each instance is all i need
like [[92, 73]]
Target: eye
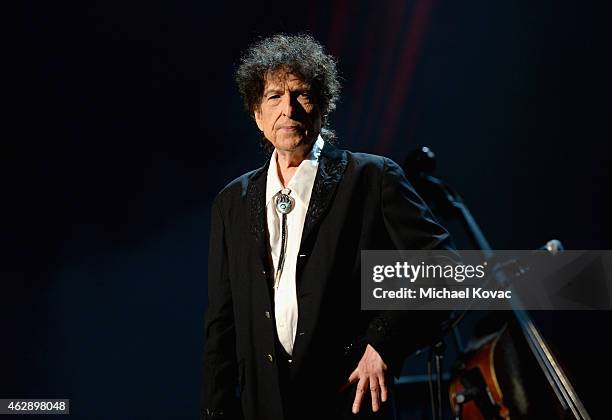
[[305, 97], [271, 97]]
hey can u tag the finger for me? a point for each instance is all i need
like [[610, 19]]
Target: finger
[[354, 376], [351, 380], [361, 388], [383, 388], [374, 392]]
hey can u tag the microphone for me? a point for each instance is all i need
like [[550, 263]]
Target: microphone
[[419, 162], [554, 246]]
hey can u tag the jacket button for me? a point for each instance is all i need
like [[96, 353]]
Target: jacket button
[[270, 358], [264, 272], [267, 314]]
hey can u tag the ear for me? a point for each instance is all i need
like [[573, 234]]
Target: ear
[[257, 115]]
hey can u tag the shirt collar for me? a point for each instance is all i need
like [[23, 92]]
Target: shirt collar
[[301, 182]]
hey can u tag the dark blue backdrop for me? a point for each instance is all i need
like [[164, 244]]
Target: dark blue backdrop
[[126, 122]]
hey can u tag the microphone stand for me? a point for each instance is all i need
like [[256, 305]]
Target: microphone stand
[[418, 167]]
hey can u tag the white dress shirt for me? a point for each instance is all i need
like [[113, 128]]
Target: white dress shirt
[[300, 185]]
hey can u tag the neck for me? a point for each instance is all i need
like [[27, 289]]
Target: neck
[[287, 159], [287, 162]]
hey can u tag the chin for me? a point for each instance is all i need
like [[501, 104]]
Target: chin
[[290, 143]]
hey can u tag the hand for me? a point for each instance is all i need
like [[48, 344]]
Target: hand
[[370, 373]]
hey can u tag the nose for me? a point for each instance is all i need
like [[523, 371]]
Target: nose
[[287, 106]]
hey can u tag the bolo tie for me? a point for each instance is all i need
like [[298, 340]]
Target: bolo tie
[[284, 204]]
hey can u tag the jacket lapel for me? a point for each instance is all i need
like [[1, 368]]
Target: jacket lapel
[[256, 202], [332, 163]]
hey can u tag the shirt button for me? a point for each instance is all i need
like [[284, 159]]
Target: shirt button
[[267, 314], [270, 358]]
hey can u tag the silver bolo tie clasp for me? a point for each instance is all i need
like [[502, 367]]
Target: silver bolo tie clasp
[[284, 203]]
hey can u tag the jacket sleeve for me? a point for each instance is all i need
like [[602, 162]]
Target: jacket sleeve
[[394, 334], [218, 398]]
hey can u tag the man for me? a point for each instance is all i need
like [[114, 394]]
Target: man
[[284, 327]]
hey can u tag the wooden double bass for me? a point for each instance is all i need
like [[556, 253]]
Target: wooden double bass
[[487, 383]]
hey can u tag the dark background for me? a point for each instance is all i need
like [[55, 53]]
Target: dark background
[[125, 122]]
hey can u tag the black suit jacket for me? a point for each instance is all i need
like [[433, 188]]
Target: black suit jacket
[[359, 202]]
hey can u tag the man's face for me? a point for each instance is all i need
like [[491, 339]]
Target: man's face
[[288, 115]]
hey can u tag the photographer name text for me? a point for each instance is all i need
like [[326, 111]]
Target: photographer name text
[[441, 293]]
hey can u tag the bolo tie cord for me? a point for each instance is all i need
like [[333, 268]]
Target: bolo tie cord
[[284, 205]]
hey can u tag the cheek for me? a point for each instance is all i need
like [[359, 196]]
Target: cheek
[[271, 119]]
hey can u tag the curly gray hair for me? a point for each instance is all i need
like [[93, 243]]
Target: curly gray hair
[[299, 54]]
